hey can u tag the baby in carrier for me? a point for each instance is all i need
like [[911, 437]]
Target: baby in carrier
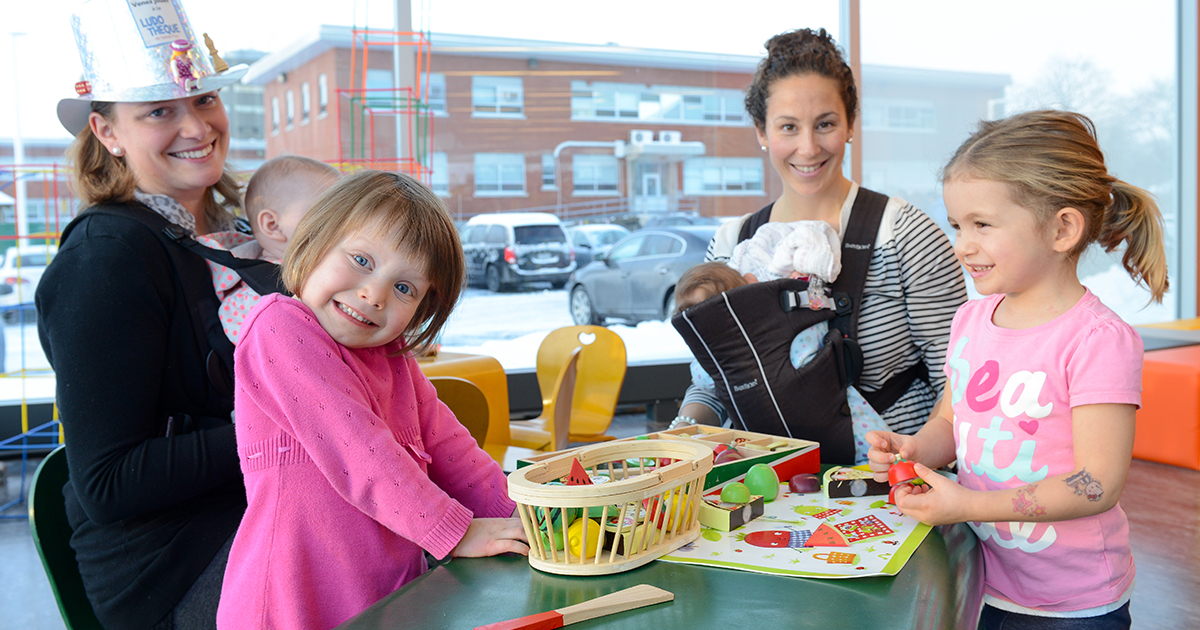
[[805, 250]]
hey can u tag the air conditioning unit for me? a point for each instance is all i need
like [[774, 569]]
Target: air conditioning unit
[[670, 137], [641, 136]]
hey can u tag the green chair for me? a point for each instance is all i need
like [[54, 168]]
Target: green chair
[[51, 536]]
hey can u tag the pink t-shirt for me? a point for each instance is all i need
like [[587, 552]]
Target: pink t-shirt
[[1013, 391]]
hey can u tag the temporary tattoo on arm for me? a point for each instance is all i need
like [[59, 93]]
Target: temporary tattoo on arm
[[1026, 504], [1083, 482]]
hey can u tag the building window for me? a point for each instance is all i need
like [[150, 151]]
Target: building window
[[497, 96], [439, 180], [305, 103], [723, 176], [322, 95], [886, 114], [499, 174], [274, 114], [549, 177], [437, 94], [657, 103], [594, 174], [380, 92], [291, 108]]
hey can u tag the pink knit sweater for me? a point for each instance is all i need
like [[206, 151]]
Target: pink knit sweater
[[352, 466]]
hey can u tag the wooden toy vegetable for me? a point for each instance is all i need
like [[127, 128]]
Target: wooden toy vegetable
[[761, 479], [575, 537], [735, 492]]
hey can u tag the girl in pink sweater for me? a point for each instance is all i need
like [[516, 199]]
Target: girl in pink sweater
[[352, 465]]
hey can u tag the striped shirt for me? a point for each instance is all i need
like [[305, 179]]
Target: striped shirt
[[913, 287]]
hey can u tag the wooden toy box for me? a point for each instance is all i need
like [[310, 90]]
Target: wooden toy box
[[635, 511]]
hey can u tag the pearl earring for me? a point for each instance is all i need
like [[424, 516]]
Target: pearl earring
[[850, 140], [763, 147], [117, 151]]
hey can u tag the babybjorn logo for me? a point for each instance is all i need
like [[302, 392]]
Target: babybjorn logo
[[744, 386], [856, 245]]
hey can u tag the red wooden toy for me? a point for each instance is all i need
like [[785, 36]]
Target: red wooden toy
[[902, 473]]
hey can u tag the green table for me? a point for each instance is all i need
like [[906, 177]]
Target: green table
[[940, 587]]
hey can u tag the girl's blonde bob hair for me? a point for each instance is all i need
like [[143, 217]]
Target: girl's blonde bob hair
[[402, 209]]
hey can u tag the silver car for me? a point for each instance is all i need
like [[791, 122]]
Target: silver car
[[635, 280]]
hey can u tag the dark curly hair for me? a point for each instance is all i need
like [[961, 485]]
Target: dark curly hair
[[802, 51]]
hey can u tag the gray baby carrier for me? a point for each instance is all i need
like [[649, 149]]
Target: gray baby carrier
[[743, 337]]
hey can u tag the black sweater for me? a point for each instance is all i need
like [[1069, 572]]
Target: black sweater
[[149, 511]]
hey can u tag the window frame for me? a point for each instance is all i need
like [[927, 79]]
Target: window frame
[[484, 84], [498, 162]]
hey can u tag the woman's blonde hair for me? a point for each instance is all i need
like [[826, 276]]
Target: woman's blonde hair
[[403, 209], [1051, 160], [101, 177]]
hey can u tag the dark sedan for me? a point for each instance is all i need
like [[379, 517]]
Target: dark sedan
[[635, 280]]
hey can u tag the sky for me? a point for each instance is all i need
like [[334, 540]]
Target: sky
[[1133, 41]]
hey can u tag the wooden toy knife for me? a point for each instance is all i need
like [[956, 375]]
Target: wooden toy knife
[[620, 601]]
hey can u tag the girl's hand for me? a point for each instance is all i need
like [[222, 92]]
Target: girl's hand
[[885, 447], [492, 537], [939, 502]]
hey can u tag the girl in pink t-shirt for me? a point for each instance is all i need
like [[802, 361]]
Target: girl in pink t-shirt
[[353, 468], [1043, 380]]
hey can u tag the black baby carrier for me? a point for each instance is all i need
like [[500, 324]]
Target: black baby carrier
[[743, 337], [261, 275]]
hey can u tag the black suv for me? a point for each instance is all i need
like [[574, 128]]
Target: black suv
[[508, 250]]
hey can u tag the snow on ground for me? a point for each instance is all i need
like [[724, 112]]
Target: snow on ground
[[510, 326]]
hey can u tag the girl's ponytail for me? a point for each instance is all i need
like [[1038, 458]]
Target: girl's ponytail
[[1133, 218]]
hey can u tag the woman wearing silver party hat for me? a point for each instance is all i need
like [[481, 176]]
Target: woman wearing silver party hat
[[126, 312]]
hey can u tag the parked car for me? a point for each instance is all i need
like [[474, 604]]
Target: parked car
[[635, 280], [511, 249], [677, 219], [20, 273], [595, 238]]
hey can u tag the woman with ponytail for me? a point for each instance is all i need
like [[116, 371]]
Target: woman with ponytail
[[1042, 379]]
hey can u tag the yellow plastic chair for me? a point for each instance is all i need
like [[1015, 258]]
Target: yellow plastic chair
[[466, 401], [550, 431], [464, 398], [601, 371]]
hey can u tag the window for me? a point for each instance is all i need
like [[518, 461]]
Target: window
[[379, 89], [479, 234], [274, 114], [628, 248], [661, 245], [305, 103], [723, 176], [657, 103], [594, 174], [549, 177], [439, 180], [1132, 94], [497, 96], [291, 108], [898, 115], [437, 94], [322, 94], [496, 235], [499, 174]]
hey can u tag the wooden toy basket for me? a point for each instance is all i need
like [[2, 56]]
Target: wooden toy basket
[[645, 508]]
